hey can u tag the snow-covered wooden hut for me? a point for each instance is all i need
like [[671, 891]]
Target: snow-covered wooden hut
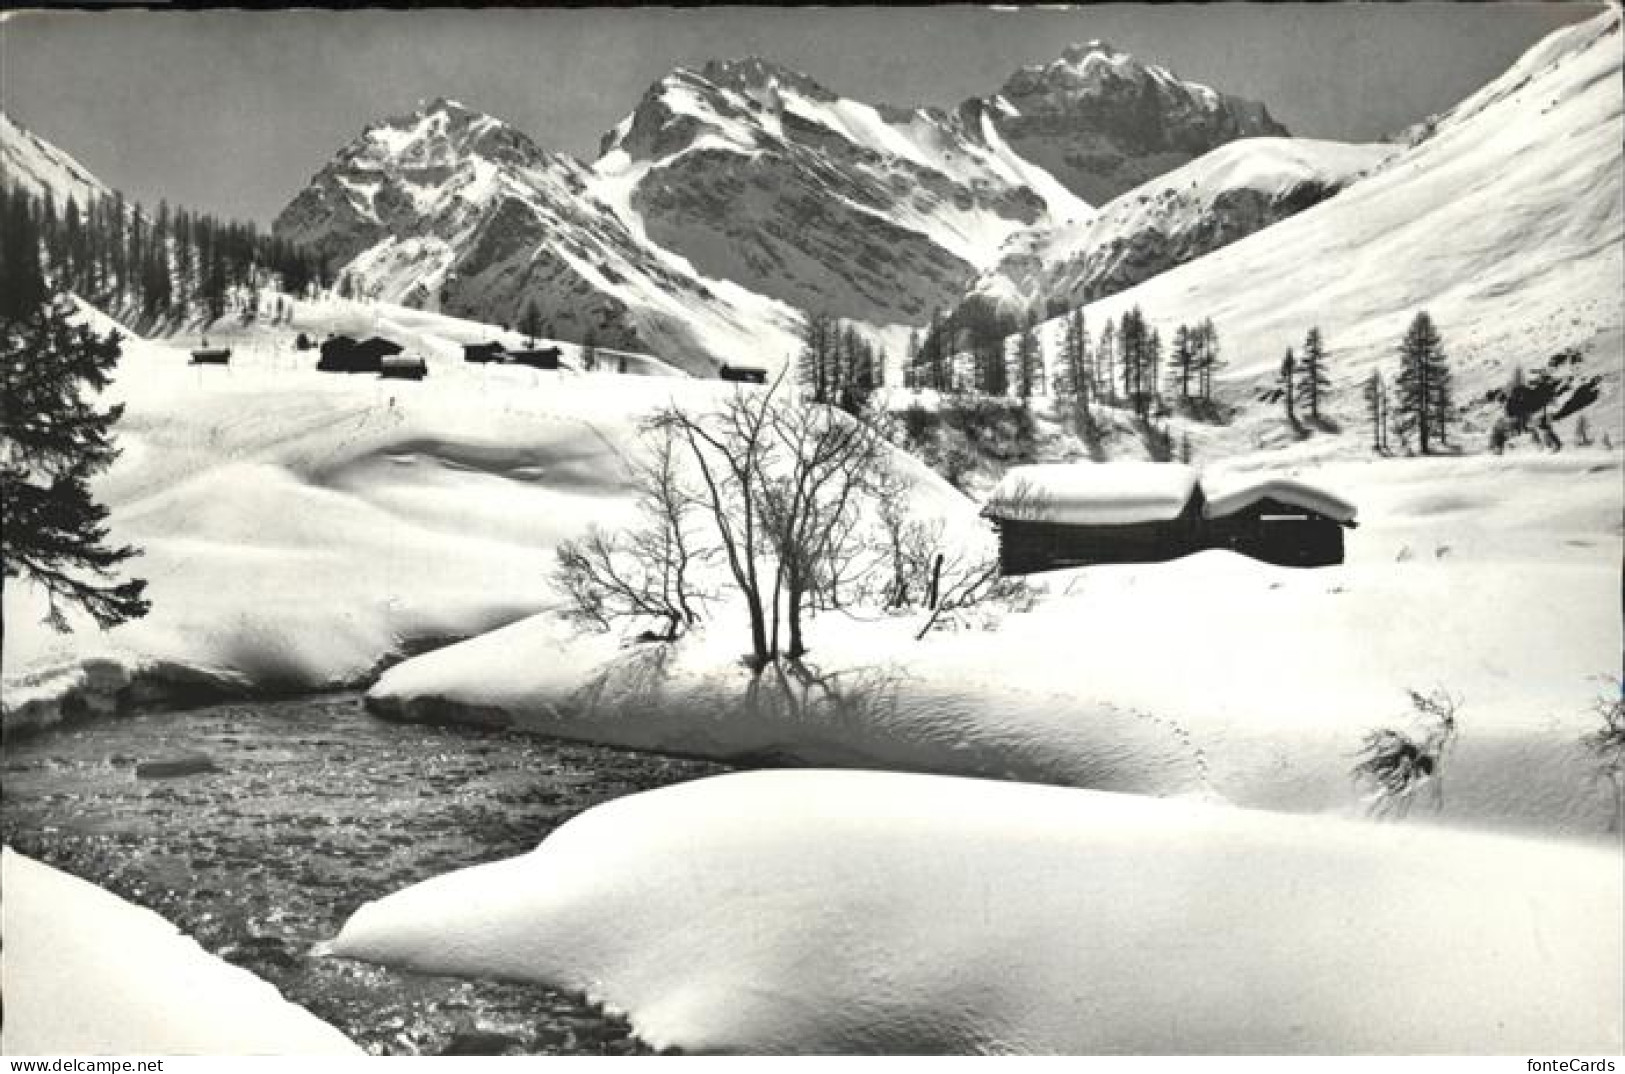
[[1279, 521], [485, 352], [1059, 515], [403, 367], [743, 374], [536, 357], [343, 354]]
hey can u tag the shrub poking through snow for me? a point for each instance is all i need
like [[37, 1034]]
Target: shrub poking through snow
[[1396, 767], [1606, 747]]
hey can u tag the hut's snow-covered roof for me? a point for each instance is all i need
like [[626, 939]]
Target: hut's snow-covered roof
[[1230, 497], [1093, 494]]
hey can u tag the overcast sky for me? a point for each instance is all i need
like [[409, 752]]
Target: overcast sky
[[232, 112]]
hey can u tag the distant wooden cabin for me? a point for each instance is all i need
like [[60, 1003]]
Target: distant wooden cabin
[[1280, 521], [743, 374], [212, 356], [1074, 514], [485, 352], [536, 357], [403, 367], [343, 354]]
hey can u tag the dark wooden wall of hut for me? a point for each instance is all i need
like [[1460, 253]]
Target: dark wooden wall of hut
[[1279, 533]]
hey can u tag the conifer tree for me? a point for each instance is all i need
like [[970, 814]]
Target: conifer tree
[[1073, 377], [53, 441], [1376, 404], [1029, 360], [1209, 361], [1182, 363], [589, 351], [1105, 362], [1287, 381], [1313, 383], [530, 322], [1423, 384]]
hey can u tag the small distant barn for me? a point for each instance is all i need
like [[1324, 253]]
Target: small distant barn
[[1280, 521], [485, 352], [536, 357], [344, 354], [743, 374], [1074, 514], [211, 356], [403, 367]]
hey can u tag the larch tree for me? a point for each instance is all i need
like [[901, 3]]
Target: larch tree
[[1028, 360], [1423, 384], [1313, 383], [1376, 406], [530, 322], [1287, 381]]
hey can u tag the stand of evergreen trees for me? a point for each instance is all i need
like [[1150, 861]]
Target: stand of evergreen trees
[[985, 350], [173, 263], [837, 365]]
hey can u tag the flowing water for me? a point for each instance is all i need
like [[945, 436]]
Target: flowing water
[[314, 807]]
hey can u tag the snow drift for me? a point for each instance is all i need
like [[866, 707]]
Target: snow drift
[[815, 911], [1214, 676], [87, 973]]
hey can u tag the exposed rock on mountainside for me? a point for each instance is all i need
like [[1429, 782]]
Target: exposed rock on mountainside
[[454, 210], [1102, 122], [1211, 202], [758, 174]]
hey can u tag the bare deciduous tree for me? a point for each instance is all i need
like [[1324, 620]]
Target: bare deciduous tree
[[649, 572]]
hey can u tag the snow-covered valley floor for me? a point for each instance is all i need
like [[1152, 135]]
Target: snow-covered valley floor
[[300, 529]]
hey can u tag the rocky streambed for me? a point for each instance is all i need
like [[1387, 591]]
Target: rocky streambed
[[259, 827]]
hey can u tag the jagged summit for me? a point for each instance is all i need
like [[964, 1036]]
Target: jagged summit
[[1080, 51], [756, 72], [1103, 121]]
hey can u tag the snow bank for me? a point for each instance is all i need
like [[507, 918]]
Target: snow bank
[[1214, 676], [298, 527], [815, 911], [86, 973], [1093, 494]]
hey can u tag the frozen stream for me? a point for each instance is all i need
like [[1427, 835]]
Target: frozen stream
[[314, 808]]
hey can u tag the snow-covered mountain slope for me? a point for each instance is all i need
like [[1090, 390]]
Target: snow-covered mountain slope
[[1103, 122], [453, 210], [817, 912], [28, 162], [1216, 199], [1505, 224], [760, 175]]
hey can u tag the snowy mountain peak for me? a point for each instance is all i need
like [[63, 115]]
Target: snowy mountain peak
[[1102, 121], [30, 163], [754, 73], [444, 134], [763, 176], [1078, 53]]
